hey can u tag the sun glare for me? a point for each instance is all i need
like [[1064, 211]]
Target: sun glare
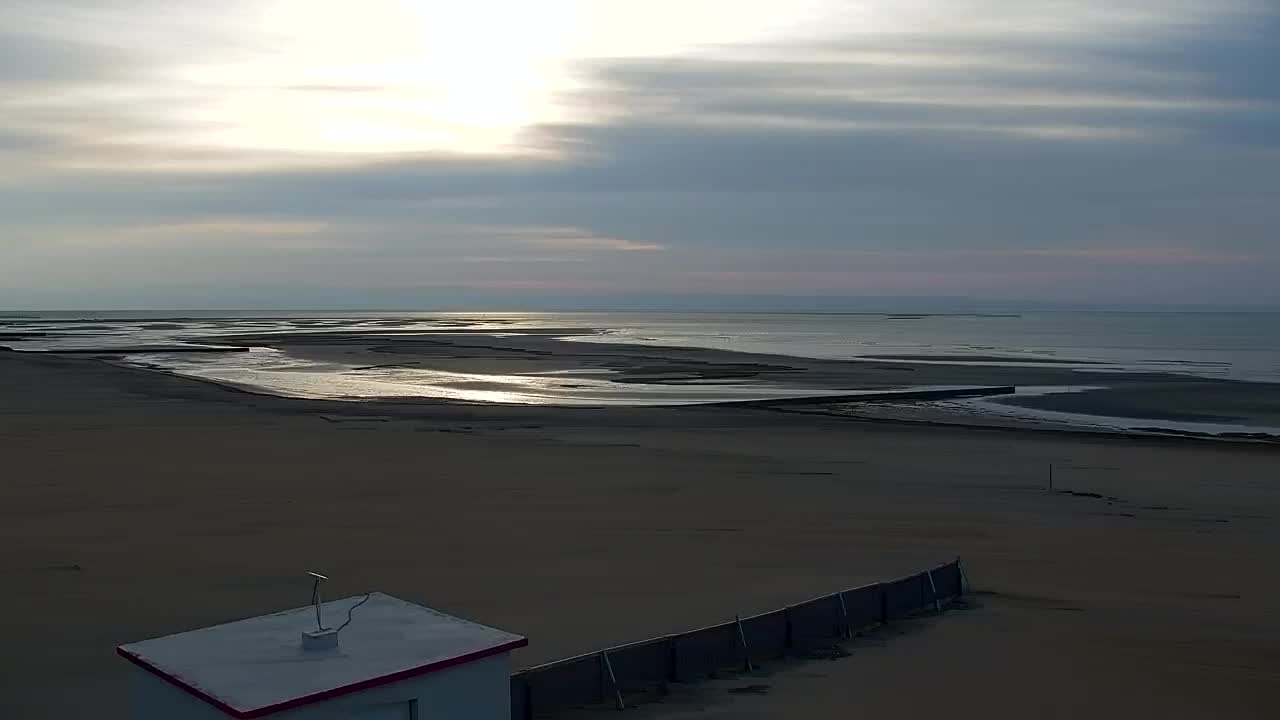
[[386, 76]]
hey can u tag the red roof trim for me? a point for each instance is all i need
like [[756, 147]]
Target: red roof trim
[[324, 694]]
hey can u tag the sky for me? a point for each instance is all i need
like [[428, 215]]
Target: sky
[[606, 153]]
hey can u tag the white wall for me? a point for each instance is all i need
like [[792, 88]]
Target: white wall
[[151, 698], [479, 690]]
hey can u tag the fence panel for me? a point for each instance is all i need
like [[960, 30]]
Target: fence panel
[[570, 683], [520, 709], [906, 596], [766, 635], [947, 580], [702, 652], [863, 606], [817, 619], [640, 666]]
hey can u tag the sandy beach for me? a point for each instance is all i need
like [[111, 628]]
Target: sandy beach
[[137, 504]]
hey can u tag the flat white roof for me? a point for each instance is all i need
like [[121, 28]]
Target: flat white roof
[[255, 667]]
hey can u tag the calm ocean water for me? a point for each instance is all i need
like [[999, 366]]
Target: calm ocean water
[[1244, 346]]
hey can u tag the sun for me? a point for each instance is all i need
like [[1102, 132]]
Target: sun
[[392, 76], [380, 76]]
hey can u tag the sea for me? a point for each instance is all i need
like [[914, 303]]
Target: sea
[[1223, 345]]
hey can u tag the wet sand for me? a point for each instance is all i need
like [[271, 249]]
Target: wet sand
[[136, 504], [1152, 396], [1018, 359], [1202, 402], [458, 361]]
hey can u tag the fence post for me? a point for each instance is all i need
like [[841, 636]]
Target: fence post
[[789, 641], [673, 667], [845, 631], [937, 606], [742, 638], [608, 668]]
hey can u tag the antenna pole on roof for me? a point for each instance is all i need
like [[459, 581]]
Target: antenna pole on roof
[[315, 596]]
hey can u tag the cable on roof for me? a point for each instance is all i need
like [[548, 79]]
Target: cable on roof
[[352, 610]]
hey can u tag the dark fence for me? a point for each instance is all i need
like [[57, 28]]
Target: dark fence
[[610, 675]]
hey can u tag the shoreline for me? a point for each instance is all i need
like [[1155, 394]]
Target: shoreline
[[1152, 401], [390, 360], [161, 383]]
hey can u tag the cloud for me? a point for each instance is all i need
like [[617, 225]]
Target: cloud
[[228, 227], [1009, 148], [30, 61], [1096, 88], [1115, 255], [1149, 256], [563, 238], [860, 283]]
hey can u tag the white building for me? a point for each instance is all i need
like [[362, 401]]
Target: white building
[[393, 661]]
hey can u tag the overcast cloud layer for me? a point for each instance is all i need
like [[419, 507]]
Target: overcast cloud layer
[[512, 153]]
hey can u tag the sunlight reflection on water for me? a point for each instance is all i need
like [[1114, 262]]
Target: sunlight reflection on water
[[276, 372], [1214, 345]]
